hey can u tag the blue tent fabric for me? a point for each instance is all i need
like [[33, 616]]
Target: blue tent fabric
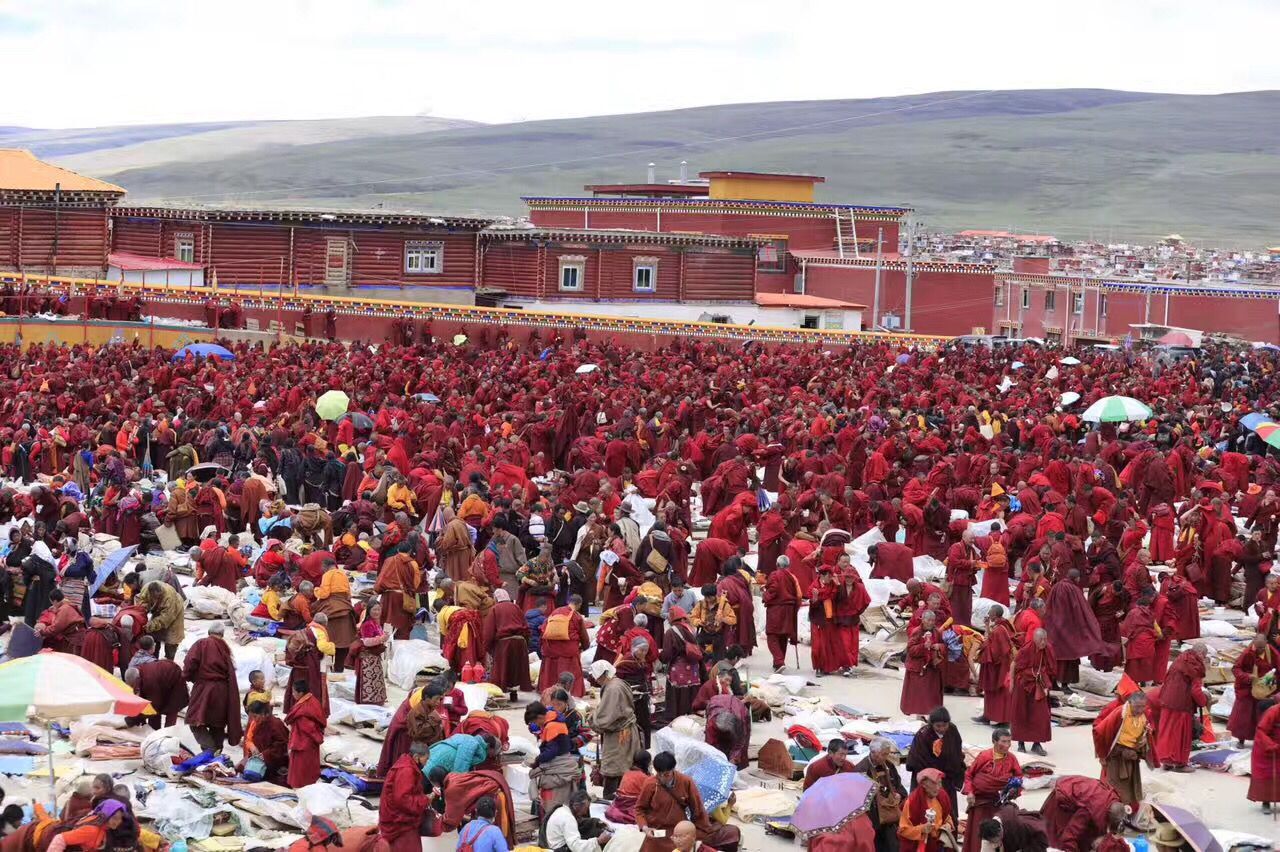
[[204, 350]]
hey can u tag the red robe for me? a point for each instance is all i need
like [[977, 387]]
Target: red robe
[[829, 652], [400, 808], [1182, 696], [564, 655], [984, 780], [1264, 780], [1077, 812], [1033, 673], [215, 697], [708, 558], [922, 679], [782, 596], [996, 659], [893, 562], [306, 720], [1244, 712]]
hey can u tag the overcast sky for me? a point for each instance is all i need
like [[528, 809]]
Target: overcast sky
[[77, 63]]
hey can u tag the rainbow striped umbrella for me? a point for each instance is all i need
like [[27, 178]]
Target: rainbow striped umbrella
[[57, 686], [1115, 409], [1268, 430]]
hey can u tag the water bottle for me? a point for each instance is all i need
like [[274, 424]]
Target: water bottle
[[1140, 843]]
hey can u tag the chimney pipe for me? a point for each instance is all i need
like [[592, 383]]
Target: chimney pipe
[[684, 171], [652, 173]]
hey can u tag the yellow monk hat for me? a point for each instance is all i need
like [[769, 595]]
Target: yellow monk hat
[[996, 490]]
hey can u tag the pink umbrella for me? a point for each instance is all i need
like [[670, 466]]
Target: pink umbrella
[[1177, 338]]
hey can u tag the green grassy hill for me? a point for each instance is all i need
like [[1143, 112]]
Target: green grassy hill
[[1076, 163]]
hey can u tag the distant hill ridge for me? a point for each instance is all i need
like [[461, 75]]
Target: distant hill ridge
[[1076, 163]]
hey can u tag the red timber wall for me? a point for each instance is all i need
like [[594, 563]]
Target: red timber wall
[[27, 239], [695, 273], [376, 320], [249, 254], [944, 303], [1109, 312], [802, 232]]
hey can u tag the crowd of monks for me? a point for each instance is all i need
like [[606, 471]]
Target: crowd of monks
[[496, 490]]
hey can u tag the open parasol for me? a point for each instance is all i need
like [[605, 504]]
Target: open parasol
[[714, 779], [1177, 338], [60, 686], [1268, 430], [831, 802], [587, 368], [359, 421], [1070, 361], [426, 397], [332, 404], [1069, 398], [205, 350], [1116, 409]]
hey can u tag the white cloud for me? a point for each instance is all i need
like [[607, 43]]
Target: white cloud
[[86, 62]]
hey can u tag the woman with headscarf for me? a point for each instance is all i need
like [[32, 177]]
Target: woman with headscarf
[[682, 655], [90, 832], [366, 657], [39, 575], [926, 813]]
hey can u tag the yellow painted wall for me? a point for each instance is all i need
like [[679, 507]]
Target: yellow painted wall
[[99, 333], [763, 189]]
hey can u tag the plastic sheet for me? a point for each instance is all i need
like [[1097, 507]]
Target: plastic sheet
[[410, 656]]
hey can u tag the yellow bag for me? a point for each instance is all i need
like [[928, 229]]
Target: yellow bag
[[557, 629]]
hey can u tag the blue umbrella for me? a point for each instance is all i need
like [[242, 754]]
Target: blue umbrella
[[903, 358], [204, 350], [115, 559], [714, 779], [426, 397]]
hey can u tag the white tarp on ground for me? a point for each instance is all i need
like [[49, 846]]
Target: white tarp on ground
[[410, 656]]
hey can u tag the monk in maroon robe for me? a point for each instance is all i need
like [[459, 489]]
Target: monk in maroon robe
[[963, 562], [996, 664], [1182, 697], [306, 720], [161, 682], [708, 560], [1079, 811], [1073, 628], [922, 679], [214, 710], [984, 781], [736, 589], [891, 561], [782, 596], [506, 634], [564, 638], [303, 655], [220, 566], [1033, 673], [403, 802]]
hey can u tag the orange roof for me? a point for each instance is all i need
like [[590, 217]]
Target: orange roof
[[800, 300], [762, 176], [21, 171]]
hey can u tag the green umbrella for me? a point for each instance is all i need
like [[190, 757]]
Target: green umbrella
[[1116, 409], [332, 404]]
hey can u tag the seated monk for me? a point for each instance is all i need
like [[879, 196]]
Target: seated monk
[[677, 801], [61, 626], [623, 809], [462, 790], [267, 738]]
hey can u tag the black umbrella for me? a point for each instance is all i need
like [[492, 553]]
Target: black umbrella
[[361, 422]]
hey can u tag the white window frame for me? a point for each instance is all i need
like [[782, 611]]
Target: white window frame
[[1077, 304], [423, 258], [644, 263], [1000, 296], [1102, 304], [578, 263], [184, 240], [1026, 298], [1050, 300]]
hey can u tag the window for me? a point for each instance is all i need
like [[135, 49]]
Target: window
[[1102, 304], [1026, 299], [810, 321], [772, 256], [1050, 299], [833, 320], [573, 271], [423, 258], [999, 296], [1077, 304], [184, 247], [644, 275]]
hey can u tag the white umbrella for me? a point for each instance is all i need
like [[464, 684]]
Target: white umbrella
[[1069, 398], [1017, 365], [587, 368], [1069, 361], [1116, 409]]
